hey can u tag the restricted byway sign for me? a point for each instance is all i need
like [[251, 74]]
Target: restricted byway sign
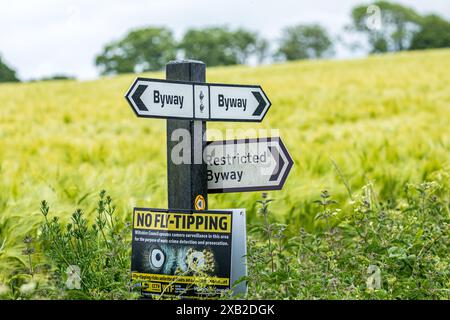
[[247, 165], [155, 98]]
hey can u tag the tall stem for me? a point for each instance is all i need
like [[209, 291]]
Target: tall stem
[[268, 231], [31, 265]]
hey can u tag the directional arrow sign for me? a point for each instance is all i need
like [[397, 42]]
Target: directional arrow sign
[[154, 98], [247, 165]]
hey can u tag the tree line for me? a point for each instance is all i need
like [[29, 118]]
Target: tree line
[[386, 27], [393, 27]]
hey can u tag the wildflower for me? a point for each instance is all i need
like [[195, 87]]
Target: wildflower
[[3, 289], [73, 277], [28, 239], [27, 251], [335, 212], [333, 282], [28, 288], [373, 281], [391, 280]]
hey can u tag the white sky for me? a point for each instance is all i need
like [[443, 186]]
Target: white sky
[[41, 38]]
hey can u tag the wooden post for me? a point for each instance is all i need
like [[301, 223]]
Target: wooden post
[[187, 181]]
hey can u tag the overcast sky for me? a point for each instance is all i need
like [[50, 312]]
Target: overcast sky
[[41, 38]]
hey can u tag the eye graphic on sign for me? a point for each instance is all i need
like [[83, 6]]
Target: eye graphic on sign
[[157, 258], [160, 259], [199, 261], [195, 260]]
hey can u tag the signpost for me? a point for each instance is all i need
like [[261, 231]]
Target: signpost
[[187, 102], [154, 98], [186, 181], [247, 165]]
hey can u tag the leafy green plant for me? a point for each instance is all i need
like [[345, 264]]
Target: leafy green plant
[[376, 251], [88, 261]]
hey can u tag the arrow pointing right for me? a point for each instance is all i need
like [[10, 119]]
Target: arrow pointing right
[[279, 164], [261, 103]]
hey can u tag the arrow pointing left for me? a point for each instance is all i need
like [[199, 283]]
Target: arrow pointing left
[[136, 97], [154, 98]]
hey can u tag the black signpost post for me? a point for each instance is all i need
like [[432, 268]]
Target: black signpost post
[[186, 182]]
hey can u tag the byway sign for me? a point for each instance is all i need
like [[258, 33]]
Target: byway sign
[[154, 98], [247, 165]]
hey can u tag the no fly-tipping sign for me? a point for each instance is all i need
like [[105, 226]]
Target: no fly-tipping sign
[[154, 98]]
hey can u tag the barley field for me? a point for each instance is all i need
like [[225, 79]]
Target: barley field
[[383, 119]]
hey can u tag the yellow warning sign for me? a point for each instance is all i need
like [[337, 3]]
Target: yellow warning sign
[[182, 252]]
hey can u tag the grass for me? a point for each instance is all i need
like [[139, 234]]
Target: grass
[[383, 119]]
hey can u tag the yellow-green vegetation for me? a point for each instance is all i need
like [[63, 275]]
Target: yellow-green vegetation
[[384, 119]]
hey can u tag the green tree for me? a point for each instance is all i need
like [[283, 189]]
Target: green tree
[[434, 33], [304, 42], [247, 43], [387, 26], [6, 73], [221, 46], [146, 49]]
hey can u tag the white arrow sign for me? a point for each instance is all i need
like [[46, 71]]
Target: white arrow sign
[[247, 165], [154, 98]]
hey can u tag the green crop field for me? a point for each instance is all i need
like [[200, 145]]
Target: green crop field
[[384, 119]]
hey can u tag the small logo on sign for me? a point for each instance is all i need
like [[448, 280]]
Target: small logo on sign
[[202, 107], [199, 203]]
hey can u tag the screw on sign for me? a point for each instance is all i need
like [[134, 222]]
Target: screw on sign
[[202, 106]]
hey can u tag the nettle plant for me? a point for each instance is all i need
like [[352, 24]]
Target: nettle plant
[[89, 261], [377, 250], [80, 260]]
